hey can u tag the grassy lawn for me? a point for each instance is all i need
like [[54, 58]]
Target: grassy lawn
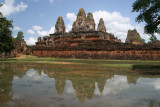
[[91, 62]]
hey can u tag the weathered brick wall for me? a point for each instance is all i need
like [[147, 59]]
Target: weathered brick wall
[[95, 45], [100, 50], [125, 55]]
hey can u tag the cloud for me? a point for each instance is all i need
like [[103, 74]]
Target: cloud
[[51, 1], [71, 17], [96, 91], [9, 8], [37, 28], [42, 33], [156, 84], [117, 81], [30, 31], [140, 30], [69, 87], [31, 41], [115, 23], [16, 28], [52, 30]]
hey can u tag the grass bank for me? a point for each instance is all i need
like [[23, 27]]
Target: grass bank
[[91, 62]]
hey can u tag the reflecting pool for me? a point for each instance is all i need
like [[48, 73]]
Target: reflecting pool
[[71, 85]]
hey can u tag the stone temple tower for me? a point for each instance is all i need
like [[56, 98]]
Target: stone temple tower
[[60, 27], [90, 23], [101, 26], [80, 23]]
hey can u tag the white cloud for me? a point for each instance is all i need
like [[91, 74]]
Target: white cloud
[[30, 31], [96, 91], [71, 17], [16, 28], [31, 41], [115, 85], [37, 28], [115, 23], [51, 1], [140, 30], [51, 31], [42, 33], [157, 35], [156, 84], [69, 87], [9, 8]]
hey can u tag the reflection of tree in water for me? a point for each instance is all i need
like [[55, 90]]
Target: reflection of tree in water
[[154, 104], [83, 79], [6, 78], [7, 73]]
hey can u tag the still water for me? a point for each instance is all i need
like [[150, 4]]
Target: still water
[[66, 85]]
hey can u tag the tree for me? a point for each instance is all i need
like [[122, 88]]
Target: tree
[[6, 44], [0, 12], [149, 13], [153, 39], [20, 36]]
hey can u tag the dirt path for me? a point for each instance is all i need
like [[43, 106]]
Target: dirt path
[[21, 57]]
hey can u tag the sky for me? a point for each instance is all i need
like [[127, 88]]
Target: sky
[[37, 18]]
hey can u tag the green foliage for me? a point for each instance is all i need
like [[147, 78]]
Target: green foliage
[[45, 37], [88, 17], [80, 13], [6, 44], [138, 38], [57, 23], [20, 36], [143, 41], [29, 46], [74, 23], [0, 12], [150, 13], [13, 39], [153, 39], [100, 21]]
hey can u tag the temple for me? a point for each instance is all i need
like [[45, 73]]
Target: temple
[[85, 41]]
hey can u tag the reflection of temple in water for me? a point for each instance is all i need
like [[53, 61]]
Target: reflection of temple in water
[[83, 82], [60, 85]]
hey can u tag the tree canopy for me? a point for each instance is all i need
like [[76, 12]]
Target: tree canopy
[[153, 39], [150, 13], [6, 44], [0, 12], [20, 36]]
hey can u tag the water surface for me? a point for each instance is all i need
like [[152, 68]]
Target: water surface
[[71, 85]]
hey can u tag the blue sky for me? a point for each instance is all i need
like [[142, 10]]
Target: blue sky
[[38, 17]]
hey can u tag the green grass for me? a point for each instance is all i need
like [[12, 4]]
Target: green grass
[[90, 62]]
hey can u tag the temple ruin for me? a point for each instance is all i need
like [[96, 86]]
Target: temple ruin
[[85, 41]]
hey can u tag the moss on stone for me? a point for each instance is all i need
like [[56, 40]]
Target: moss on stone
[[88, 18], [74, 23], [81, 12], [58, 21]]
